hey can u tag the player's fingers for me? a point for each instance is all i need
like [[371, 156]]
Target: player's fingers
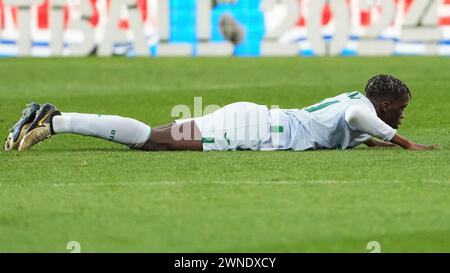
[[432, 147]]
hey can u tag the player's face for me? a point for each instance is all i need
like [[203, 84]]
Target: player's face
[[395, 112]]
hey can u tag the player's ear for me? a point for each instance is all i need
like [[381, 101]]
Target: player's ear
[[385, 106]]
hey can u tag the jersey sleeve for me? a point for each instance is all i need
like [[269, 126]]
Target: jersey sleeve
[[360, 117]]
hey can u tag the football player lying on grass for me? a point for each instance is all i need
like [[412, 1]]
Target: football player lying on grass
[[341, 122]]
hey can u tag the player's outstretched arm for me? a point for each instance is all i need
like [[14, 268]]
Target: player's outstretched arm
[[409, 145], [374, 142], [360, 118]]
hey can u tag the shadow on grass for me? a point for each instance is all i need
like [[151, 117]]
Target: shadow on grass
[[100, 150], [81, 149]]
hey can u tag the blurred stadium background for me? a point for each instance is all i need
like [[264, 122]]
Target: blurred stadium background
[[224, 27]]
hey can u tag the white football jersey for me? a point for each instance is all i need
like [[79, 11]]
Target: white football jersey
[[326, 125]]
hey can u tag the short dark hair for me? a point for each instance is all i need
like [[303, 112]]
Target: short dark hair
[[386, 86]]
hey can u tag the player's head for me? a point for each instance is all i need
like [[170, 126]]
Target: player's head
[[390, 96]]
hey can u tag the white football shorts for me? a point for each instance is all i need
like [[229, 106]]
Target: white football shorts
[[236, 126]]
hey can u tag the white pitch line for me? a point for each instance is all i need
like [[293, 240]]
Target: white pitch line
[[224, 183]]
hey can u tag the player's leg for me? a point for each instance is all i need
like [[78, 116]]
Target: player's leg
[[50, 121], [235, 126], [175, 136], [133, 133], [127, 131]]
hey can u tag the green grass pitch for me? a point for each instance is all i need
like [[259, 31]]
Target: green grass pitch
[[112, 199]]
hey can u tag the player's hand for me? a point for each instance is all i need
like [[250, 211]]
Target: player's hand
[[409, 145], [415, 146]]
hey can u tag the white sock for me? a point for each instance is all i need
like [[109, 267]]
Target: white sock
[[117, 129]]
